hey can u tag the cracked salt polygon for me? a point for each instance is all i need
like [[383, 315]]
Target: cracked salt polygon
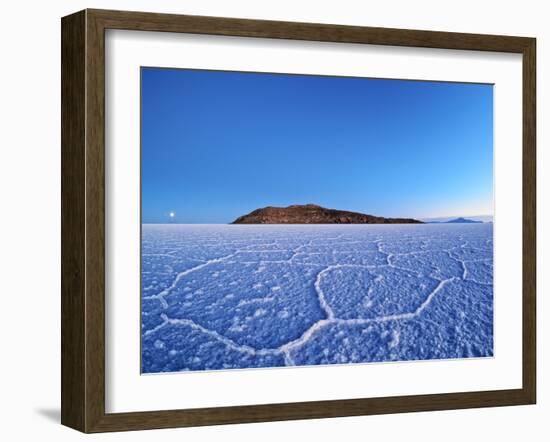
[[359, 293]]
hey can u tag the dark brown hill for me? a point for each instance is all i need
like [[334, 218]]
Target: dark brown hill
[[313, 214]]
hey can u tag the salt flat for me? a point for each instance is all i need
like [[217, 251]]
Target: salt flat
[[242, 296]]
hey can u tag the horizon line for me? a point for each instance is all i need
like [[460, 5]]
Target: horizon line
[[424, 221], [415, 218]]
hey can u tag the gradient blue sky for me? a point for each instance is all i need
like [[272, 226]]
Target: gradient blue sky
[[217, 145]]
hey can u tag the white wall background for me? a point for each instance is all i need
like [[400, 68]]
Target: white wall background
[[30, 216]]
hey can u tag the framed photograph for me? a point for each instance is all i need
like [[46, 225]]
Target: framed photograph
[[269, 220]]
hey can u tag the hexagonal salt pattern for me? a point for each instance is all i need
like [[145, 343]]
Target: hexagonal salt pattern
[[235, 296]]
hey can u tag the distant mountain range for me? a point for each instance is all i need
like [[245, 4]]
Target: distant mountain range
[[456, 221], [314, 214]]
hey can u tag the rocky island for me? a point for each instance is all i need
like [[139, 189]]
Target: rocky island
[[314, 214]]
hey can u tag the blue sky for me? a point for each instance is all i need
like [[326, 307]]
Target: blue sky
[[217, 145]]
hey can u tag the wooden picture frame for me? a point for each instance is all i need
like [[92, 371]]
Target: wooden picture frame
[[83, 220]]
